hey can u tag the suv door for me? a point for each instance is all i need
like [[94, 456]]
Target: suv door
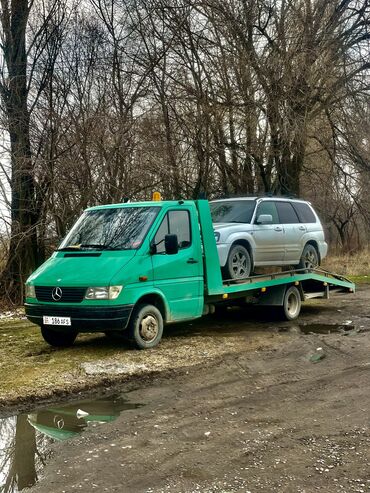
[[269, 238], [180, 276], [294, 232]]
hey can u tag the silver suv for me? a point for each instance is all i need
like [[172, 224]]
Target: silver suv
[[254, 231]]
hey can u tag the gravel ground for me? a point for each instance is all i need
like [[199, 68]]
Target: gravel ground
[[271, 413]]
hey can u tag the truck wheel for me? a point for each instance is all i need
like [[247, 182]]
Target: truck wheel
[[292, 303], [309, 258], [58, 338], [146, 326], [238, 265]]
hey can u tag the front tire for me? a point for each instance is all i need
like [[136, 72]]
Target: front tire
[[238, 264], [145, 327], [309, 258], [58, 338]]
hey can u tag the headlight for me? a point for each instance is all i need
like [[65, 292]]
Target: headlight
[[30, 291], [217, 236], [103, 293]]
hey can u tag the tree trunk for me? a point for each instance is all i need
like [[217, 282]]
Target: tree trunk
[[22, 256]]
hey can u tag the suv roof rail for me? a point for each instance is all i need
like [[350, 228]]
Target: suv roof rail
[[259, 196], [235, 196]]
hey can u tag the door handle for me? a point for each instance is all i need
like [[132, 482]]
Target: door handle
[[302, 228], [192, 261], [278, 228]]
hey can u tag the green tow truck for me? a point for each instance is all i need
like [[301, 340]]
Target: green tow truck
[[131, 268]]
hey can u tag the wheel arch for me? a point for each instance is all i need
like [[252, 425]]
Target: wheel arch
[[156, 299], [315, 244], [245, 243]]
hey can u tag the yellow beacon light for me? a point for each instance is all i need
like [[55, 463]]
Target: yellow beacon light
[[156, 197]]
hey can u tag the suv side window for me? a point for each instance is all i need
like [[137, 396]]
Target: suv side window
[[286, 213], [268, 207], [304, 212], [174, 223]]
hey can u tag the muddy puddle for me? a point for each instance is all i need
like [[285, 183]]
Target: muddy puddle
[[344, 329], [25, 438], [327, 328]]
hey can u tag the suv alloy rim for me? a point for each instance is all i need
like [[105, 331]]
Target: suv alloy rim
[[239, 264]]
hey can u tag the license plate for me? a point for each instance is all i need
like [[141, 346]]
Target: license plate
[[57, 320]]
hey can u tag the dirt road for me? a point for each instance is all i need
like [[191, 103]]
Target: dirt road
[[265, 419]]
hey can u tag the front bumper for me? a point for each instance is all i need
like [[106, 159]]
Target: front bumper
[[83, 319]]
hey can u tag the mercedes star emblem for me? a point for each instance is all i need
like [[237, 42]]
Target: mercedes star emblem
[[56, 294]]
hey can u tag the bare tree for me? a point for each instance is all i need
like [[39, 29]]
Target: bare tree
[[16, 85]]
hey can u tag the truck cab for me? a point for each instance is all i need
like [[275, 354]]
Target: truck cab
[[115, 260]]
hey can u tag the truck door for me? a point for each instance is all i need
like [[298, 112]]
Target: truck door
[[180, 276]]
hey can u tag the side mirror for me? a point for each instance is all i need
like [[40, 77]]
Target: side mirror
[[264, 219], [171, 244]]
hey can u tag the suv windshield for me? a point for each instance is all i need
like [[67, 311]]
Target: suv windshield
[[232, 211], [122, 228]]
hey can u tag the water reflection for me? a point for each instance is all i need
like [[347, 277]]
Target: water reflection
[[20, 455], [24, 438]]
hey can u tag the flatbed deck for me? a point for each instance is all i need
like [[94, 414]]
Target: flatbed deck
[[277, 278], [312, 283]]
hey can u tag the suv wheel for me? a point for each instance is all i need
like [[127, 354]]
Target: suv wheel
[[309, 258], [238, 265]]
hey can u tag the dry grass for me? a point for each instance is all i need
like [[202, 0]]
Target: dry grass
[[357, 265]]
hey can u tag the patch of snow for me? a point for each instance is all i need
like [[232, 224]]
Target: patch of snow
[[109, 368]]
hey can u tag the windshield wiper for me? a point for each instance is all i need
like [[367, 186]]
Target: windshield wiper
[[69, 248], [97, 246], [83, 246]]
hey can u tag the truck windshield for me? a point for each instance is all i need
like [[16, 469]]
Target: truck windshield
[[121, 228], [232, 211]]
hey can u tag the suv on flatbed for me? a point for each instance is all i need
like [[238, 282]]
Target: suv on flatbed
[[266, 231]]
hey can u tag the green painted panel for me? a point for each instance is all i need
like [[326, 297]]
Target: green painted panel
[[180, 276], [59, 270], [212, 270]]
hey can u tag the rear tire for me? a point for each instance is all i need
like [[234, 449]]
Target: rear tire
[[58, 338], [292, 304], [309, 257], [145, 328], [238, 264]]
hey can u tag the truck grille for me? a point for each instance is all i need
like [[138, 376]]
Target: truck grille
[[60, 294]]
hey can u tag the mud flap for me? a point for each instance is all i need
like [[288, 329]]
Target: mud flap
[[274, 296]]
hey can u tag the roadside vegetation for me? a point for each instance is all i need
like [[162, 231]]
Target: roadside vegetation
[[356, 266]]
